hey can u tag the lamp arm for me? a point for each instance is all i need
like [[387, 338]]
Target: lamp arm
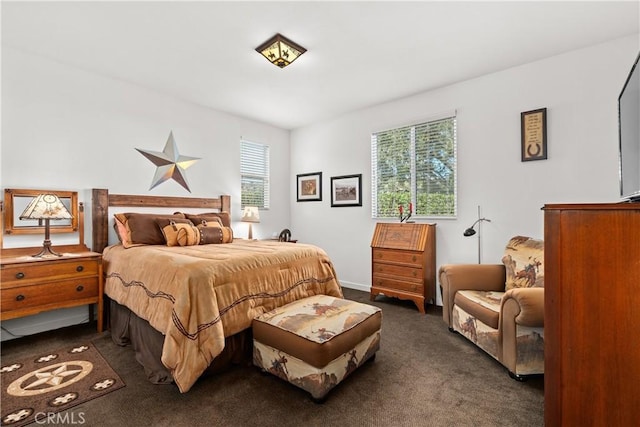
[[474, 224]]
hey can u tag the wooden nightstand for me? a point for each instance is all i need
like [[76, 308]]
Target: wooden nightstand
[[32, 285]]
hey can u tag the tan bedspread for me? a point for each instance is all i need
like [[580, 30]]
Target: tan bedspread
[[198, 295]]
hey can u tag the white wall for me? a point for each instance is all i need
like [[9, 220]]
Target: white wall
[[65, 128], [579, 90], [68, 129]]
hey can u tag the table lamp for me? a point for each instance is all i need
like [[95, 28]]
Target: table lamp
[[47, 207], [250, 214]]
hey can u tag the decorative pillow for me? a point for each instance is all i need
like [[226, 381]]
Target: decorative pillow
[[523, 259], [214, 233], [224, 217], [188, 236], [178, 231], [137, 229], [198, 220]]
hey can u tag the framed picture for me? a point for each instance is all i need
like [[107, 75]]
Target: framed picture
[[346, 190], [310, 187], [534, 134]]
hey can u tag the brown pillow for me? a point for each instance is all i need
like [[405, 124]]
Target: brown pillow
[[214, 233], [120, 229], [224, 217], [177, 231], [123, 232], [141, 229]]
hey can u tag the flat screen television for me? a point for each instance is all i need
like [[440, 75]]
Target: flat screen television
[[629, 136]]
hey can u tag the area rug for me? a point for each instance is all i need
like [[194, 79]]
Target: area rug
[[37, 389]]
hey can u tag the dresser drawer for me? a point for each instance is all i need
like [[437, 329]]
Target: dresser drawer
[[387, 269], [51, 293], [398, 256], [400, 285], [49, 270]]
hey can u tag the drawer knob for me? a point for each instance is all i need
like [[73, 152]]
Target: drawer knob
[[414, 258], [415, 273], [20, 297], [80, 288], [20, 275], [79, 268]]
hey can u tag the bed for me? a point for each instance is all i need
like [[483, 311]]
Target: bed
[[188, 309]]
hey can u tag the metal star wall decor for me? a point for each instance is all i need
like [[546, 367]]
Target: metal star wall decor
[[170, 164]]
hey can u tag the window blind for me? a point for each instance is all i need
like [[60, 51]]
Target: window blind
[[254, 174], [415, 164]]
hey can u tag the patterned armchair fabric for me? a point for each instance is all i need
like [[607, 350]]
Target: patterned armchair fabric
[[500, 307]]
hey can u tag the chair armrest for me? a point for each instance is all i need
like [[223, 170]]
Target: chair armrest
[[523, 306], [519, 307], [456, 277]]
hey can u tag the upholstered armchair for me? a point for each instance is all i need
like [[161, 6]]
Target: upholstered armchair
[[500, 307]]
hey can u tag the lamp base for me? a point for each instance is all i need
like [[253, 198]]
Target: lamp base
[[46, 251]]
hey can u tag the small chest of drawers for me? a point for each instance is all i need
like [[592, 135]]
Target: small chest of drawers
[[32, 285], [403, 262]]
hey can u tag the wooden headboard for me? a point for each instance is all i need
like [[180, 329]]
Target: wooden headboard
[[101, 201]]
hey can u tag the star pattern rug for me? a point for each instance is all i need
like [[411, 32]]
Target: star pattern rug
[[37, 389]]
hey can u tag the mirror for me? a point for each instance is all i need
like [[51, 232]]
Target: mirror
[[16, 201]]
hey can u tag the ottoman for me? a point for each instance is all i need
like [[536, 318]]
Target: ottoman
[[316, 342]]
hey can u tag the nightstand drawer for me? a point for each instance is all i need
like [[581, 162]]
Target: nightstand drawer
[[397, 270], [49, 270], [401, 285], [52, 293], [398, 256]]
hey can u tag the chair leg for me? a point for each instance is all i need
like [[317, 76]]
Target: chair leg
[[519, 378]]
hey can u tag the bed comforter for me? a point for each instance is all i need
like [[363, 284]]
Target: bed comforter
[[198, 295]]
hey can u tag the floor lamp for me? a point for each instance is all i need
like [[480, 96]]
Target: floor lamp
[[471, 231]]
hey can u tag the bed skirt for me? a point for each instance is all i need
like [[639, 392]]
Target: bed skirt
[[129, 329]]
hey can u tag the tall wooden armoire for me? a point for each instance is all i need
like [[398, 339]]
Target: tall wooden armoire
[[592, 314]]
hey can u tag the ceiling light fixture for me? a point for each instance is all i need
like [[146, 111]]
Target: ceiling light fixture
[[280, 51]]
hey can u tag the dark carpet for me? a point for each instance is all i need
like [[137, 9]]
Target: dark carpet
[[423, 375]]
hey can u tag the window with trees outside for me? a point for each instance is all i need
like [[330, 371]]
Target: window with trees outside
[[254, 174], [415, 164]]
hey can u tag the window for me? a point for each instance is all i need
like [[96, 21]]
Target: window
[[254, 174], [415, 164]]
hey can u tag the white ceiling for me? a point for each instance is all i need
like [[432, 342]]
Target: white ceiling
[[359, 53]]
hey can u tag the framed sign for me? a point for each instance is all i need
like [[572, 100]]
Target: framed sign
[[534, 134], [309, 187], [346, 190]]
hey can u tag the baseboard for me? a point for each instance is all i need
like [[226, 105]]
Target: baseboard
[[356, 286]]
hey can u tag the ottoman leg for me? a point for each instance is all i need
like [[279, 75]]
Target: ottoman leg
[[319, 400]]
